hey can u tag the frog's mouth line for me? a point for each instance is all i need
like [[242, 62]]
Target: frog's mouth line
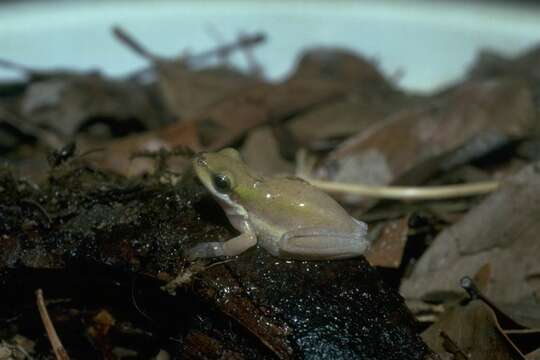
[[200, 165]]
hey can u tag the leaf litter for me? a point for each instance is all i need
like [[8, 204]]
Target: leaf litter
[[103, 220]]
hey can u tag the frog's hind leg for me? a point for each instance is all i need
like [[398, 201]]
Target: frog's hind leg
[[324, 244]]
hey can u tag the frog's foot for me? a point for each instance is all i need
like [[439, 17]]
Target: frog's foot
[[205, 250], [324, 244], [232, 247]]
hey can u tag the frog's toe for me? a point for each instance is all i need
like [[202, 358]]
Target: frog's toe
[[205, 250]]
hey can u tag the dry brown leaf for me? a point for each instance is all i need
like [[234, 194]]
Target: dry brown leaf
[[343, 118], [482, 277], [474, 330], [117, 155], [370, 97], [337, 65], [231, 118], [387, 249], [220, 125], [503, 230], [322, 77], [188, 93], [454, 128], [261, 152], [524, 313], [490, 64], [71, 104], [535, 355]]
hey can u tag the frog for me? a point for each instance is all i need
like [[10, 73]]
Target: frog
[[286, 215]]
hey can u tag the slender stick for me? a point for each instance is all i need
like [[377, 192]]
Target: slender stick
[[406, 192], [12, 65], [133, 44], [243, 42], [56, 344]]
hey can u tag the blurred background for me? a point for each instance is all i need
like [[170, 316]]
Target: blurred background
[[421, 118], [425, 43]]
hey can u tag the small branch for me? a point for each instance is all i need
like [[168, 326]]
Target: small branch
[[133, 44], [245, 41], [14, 66], [406, 192], [254, 67], [305, 164], [56, 344]]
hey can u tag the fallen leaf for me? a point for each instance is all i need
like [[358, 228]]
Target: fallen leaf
[[370, 97], [321, 127], [261, 152], [337, 64], [69, 105], [482, 278], [118, 155], [490, 64], [473, 329], [502, 230], [387, 249], [228, 120], [414, 143], [535, 355], [187, 91], [525, 313]]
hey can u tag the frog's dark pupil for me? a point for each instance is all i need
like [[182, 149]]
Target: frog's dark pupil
[[221, 182]]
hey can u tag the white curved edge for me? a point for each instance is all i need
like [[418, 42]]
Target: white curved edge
[[432, 43]]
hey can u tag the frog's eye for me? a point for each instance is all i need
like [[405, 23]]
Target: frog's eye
[[222, 183]]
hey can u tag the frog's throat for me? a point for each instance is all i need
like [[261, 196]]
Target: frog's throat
[[231, 208]]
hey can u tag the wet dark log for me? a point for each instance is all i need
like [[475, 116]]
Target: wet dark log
[[112, 241]]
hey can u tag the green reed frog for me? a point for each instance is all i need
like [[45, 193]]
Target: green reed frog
[[289, 217]]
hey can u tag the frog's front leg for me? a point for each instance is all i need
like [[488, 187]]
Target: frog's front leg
[[232, 247], [324, 244]]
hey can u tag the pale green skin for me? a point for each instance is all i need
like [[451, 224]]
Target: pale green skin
[[287, 216]]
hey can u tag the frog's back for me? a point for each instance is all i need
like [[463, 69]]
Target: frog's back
[[292, 203]]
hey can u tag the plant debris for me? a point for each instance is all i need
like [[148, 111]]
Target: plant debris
[[98, 203]]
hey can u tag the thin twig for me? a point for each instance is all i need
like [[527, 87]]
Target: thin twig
[[13, 65], [254, 67], [58, 348], [305, 164], [406, 192], [133, 44], [243, 42]]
